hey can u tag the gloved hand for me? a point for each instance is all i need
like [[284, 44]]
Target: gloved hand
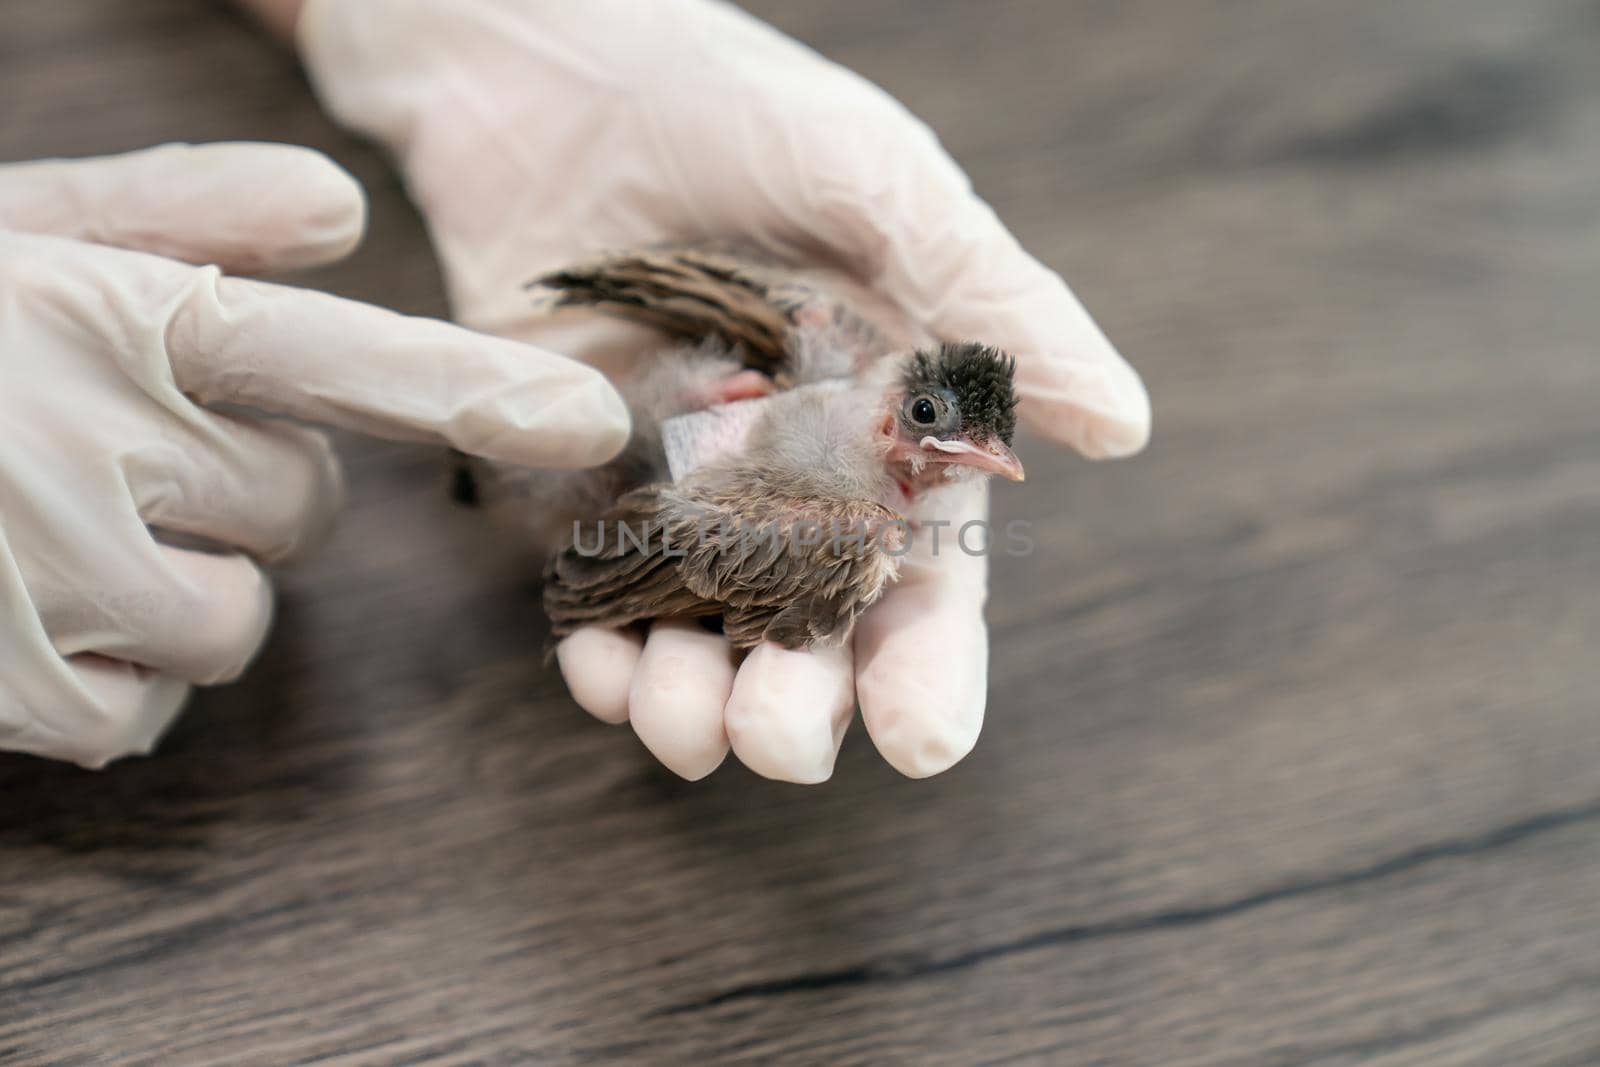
[[533, 134], [132, 519]]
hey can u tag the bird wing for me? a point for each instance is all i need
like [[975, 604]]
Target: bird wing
[[776, 570], [695, 291], [620, 571]]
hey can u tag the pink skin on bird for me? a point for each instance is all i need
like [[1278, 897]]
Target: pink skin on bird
[[922, 464]]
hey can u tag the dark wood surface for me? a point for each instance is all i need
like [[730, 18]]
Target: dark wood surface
[[1293, 752]]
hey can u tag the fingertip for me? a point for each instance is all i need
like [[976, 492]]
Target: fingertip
[[258, 206], [1126, 430], [789, 710], [1102, 411], [922, 678], [598, 664], [600, 418], [680, 688], [895, 710], [245, 206], [554, 413], [323, 496], [124, 711], [248, 206], [330, 218], [227, 612]]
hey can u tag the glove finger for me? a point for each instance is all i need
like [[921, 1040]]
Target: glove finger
[[124, 710], [680, 687], [194, 615], [320, 358], [86, 709], [922, 656], [788, 711], [922, 651], [246, 207], [105, 709], [895, 205], [598, 664], [269, 488]]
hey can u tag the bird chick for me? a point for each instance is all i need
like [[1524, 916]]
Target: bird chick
[[791, 529]]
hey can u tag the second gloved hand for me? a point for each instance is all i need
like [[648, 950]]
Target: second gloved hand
[[134, 519], [533, 134]]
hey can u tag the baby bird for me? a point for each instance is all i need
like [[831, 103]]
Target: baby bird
[[785, 519]]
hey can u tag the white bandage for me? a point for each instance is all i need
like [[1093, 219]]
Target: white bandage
[[703, 437]]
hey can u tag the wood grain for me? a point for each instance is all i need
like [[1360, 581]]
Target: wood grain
[[1293, 752]]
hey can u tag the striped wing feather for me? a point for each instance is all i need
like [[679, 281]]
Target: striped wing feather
[[698, 553], [691, 292]]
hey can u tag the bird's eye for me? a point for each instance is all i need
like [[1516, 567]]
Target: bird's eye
[[923, 413]]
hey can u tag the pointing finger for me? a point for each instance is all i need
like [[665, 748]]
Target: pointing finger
[[327, 360]]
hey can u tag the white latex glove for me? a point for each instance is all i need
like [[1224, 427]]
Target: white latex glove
[[534, 133], [106, 356]]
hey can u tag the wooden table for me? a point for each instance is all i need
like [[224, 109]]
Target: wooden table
[[1293, 751]]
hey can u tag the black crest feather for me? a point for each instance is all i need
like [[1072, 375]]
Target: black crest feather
[[982, 378]]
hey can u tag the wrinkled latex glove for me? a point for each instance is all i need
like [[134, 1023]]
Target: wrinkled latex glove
[[133, 520], [534, 133]]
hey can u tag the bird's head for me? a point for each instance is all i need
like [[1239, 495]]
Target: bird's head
[[954, 410]]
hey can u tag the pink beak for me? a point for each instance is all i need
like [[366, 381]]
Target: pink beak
[[990, 456]]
